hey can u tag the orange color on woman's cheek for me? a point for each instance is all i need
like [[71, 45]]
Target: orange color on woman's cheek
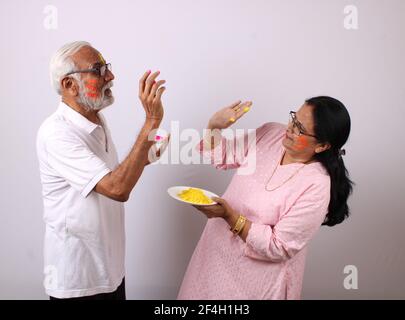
[[302, 143]]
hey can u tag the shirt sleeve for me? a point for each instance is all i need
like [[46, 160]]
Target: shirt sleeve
[[231, 153], [72, 159], [294, 230]]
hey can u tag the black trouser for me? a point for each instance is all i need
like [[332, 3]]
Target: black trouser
[[118, 294]]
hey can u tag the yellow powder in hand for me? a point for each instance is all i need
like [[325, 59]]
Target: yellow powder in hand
[[195, 196]]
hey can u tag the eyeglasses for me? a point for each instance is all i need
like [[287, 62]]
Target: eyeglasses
[[298, 128], [98, 70]]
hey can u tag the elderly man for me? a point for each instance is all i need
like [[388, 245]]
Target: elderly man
[[83, 184]]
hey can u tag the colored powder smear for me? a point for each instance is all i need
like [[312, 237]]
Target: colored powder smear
[[91, 94], [90, 85], [195, 196], [101, 58], [302, 143]]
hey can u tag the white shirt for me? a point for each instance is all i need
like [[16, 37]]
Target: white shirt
[[85, 236]]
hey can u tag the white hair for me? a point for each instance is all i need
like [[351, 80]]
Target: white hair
[[61, 62]]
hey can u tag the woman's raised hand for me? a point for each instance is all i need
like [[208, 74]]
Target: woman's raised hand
[[229, 115]]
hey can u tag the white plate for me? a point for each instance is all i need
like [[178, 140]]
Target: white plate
[[174, 191]]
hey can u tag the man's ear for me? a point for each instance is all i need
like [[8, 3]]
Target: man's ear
[[69, 85], [322, 147]]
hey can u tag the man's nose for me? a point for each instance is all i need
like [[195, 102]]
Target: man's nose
[[109, 76]]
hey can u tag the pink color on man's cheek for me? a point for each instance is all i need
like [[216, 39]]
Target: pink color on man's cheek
[[91, 94], [91, 87]]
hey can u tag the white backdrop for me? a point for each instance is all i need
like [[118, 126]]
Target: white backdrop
[[213, 52]]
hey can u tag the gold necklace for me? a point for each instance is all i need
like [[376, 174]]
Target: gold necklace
[[275, 169]]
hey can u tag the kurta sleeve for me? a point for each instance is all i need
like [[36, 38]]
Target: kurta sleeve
[[294, 230], [231, 153]]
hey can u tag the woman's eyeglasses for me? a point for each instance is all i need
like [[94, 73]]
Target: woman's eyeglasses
[[298, 128]]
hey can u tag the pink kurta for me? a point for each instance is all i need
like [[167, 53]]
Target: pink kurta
[[270, 264]]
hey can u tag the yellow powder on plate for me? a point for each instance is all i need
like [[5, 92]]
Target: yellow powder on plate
[[195, 196]]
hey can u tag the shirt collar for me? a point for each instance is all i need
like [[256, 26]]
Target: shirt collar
[[76, 118]]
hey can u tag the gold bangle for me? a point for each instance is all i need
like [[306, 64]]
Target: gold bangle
[[240, 223]]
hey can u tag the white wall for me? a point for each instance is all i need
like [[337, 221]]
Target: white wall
[[276, 53]]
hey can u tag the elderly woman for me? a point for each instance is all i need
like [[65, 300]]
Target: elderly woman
[[255, 241]]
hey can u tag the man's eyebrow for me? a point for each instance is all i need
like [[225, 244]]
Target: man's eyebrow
[[95, 65]]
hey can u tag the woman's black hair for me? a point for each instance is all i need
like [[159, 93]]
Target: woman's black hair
[[332, 125]]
